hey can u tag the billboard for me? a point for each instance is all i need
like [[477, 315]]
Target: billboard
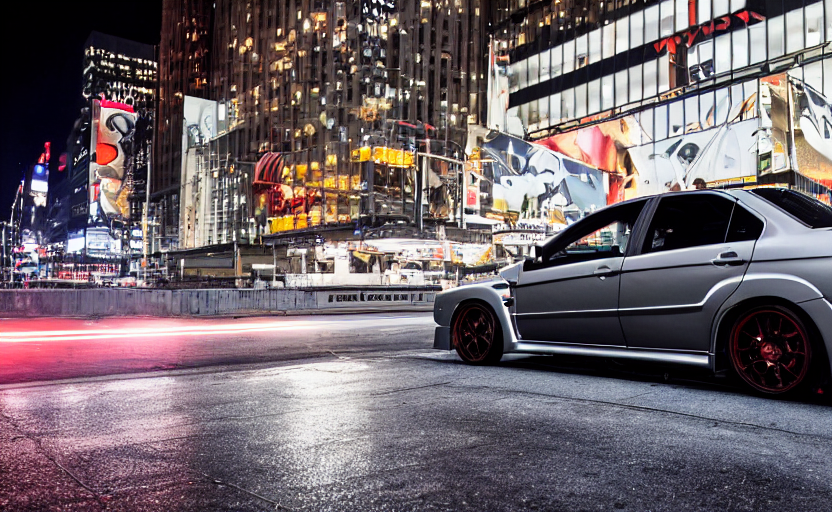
[[521, 181], [110, 169], [812, 122], [199, 126], [35, 187], [715, 144]]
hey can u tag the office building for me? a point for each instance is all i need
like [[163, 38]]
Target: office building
[[668, 95]]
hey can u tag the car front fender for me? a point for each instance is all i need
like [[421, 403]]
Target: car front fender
[[448, 301]]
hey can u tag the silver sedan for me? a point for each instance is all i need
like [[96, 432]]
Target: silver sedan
[[726, 280]]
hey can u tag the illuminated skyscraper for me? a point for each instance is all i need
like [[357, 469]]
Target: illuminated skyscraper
[[122, 72], [325, 112]]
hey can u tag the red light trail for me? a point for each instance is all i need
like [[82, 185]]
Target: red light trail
[[155, 332]]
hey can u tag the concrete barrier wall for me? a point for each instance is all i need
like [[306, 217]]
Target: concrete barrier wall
[[175, 303]]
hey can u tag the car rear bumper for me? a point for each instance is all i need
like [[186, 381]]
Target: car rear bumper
[[442, 338]]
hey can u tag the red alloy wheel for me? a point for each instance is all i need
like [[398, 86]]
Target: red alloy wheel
[[770, 350], [473, 333]]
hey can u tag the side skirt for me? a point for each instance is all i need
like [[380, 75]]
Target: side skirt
[[699, 359]]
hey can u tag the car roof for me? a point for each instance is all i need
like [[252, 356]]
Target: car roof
[[738, 193]]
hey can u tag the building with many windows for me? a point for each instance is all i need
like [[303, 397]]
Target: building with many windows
[[324, 117], [184, 58], [122, 74], [306, 85], [667, 95]]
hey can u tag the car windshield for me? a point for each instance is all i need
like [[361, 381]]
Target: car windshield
[[808, 210]]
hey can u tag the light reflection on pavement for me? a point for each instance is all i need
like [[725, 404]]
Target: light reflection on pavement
[[48, 349], [406, 430]]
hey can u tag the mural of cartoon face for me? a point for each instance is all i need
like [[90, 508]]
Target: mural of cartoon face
[[114, 152]]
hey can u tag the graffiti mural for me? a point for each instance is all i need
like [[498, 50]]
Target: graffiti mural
[[812, 121], [699, 158], [720, 143], [692, 142], [521, 180]]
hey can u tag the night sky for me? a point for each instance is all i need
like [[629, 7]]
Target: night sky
[[42, 61]]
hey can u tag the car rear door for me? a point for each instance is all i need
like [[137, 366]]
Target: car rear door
[[694, 254]]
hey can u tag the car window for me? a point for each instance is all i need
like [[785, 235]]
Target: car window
[[744, 226], [602, 235], [806, 209], [688, 220]]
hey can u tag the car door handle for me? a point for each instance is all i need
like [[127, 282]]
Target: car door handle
[[728, 258], [604, 271]]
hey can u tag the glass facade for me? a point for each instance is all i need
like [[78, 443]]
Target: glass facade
[[662, 94]]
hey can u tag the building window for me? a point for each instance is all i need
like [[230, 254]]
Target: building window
[[568, 104], [554, 108], [721, 8], [594, 96], [739, 50], [666, 27], [682, 18], [607, 92], [621, 88], [757, 43], [636, 86], [660, 123], [814, 24], [608, 40], [568, 57], [636, 29], [775, 37], [650, 78], [794, 31], [651, 23], [580, 101], [722, 52], [676, 119], [594, 46]]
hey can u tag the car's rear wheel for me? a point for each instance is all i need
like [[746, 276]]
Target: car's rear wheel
[[476, 334], [770, 350]]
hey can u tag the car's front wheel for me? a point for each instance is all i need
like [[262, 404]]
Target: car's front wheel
[[476, 334], [770, 350]]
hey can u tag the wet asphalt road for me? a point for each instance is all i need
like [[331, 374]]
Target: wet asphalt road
[[357, 413]]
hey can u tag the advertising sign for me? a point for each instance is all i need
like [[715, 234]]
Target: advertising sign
[[530, 181], [812, 120], [199, 127], [113, 127], [708, 151]]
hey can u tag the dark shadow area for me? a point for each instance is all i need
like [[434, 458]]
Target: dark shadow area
[[639, 371]]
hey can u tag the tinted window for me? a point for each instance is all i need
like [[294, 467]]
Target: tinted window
[[744, 226], [806, 209], [688, 221]]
